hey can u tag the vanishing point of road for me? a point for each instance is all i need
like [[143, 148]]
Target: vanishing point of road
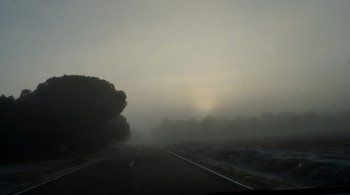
[[139, 171]]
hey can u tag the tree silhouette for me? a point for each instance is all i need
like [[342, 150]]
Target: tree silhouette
[[117, 130], [75, 108], [69, 112]]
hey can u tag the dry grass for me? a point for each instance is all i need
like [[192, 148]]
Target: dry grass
[[20, 176]]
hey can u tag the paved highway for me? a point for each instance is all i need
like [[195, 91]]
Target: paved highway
[[139, 171]]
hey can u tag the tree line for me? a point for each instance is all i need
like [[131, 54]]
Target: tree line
[[63, 114], [242, 127]]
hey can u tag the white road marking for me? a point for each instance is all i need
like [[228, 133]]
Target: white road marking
[[218, 174], [59, 177], [132, 162]]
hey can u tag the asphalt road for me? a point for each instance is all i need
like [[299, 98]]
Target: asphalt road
[[139, 171]]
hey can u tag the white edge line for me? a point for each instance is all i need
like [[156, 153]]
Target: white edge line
[[218, 174], [45, 182]]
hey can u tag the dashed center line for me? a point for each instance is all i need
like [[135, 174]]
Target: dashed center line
[[132, 162]]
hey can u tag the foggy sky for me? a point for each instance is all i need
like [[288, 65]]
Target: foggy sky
[[182, 59]]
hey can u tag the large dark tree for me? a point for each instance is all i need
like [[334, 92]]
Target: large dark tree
[[117, 130], [74, 99], [70, 112], [75, 108]]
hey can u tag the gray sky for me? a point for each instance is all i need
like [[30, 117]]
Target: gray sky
[[180, 59]]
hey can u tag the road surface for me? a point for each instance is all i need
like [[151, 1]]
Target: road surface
[[139, 171]]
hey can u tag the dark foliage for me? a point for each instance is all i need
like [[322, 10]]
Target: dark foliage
[[64, 114]]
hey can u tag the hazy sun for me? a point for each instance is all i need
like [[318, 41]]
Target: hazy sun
[[205, 105], [204, 97]]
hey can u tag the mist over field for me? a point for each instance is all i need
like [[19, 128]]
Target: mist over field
[[185, 59], [284, 126], [238, 85]]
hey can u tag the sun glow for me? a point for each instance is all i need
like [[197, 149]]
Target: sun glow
[[205, 105], [204, 100]]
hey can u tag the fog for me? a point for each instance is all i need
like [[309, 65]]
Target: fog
[[187, 59], [258, 90]]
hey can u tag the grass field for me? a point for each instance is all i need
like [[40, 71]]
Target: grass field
[[295, 162]]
